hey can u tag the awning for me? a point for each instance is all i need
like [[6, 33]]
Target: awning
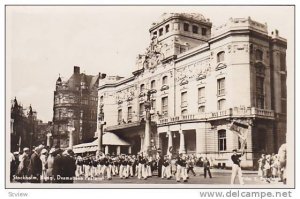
[[108, 139]]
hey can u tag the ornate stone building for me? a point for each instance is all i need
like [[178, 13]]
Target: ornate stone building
[[204, 79], [75, 108]]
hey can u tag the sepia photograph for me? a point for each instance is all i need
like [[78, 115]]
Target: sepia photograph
[[152, 96]]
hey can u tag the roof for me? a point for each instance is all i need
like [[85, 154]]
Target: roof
[[108, 139]]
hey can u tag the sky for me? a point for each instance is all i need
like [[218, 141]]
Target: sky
[[45, 41]]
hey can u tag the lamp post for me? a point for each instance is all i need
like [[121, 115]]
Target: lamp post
[[147, 139], [101, 123], [71, 130], [48, 139]]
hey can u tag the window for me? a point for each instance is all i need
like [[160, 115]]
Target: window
[[204, 31], [220, 56], [164, 107], [155, 33], [142, 88], [201, 94], [282, 62], [221, 86], [184, 99], [222, 140], [142, 108], [119, 116], [195, 29], [186, 27], [101, 100], [153, 84], [129, 113], [283, 86], [259, 55], [260, 101], [283, 105], [184, 112], [165, 80], [201, 109], [153, 105], [161, 30], [221, 104], [167, 28]]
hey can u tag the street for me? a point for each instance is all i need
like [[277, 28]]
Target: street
[[219, 176]]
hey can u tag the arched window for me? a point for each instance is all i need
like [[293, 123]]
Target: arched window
[[201, 109], [165, 80], [259, 55], [142, 87], [184, 112], [153, 84], [221, 104], [101, 99], [220, 56], [222, 146]]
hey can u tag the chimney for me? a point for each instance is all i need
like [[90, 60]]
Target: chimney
[[76, 70]]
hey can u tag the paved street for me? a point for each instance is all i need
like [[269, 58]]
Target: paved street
[[218, 177]]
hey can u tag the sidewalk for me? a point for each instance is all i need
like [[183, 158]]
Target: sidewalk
[[215, 170]]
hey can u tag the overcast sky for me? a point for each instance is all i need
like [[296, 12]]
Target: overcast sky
[[42, 42]]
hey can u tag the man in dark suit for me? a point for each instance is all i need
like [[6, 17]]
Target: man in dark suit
[[68, 166], [35, 165]]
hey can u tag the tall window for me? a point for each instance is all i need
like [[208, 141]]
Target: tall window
[[201, 109], [283, 62], [184, 99], [153, 105], [101, 99], [221, 86], [222, 140], [142, 87], [201, 94], [195, 29], [220, 56], [164, 106], [259, 55], [204, 31], [283, 86], [129, 113], [165, 80], [153, 84], [119, 115], [142, 108], [167, 28], [186, 27], [221, 104], [160, 31], [260, 92]]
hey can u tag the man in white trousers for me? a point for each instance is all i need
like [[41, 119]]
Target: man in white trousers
[[236, 167]]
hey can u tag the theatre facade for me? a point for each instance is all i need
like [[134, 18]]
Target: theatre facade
[[201, 79]]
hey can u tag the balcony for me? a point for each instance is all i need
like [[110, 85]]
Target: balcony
[[236, 112]]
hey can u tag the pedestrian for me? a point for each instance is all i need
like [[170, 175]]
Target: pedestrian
[[35, 165], [236, 167], [57, 165], [160, 161], [181, 168], [166, 168], [49, 165], [190, 165], [206, 167], [79, 166], [22, 170], [43, 157], [68, 166]]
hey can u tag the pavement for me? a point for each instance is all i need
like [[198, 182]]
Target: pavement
[[219, 176]]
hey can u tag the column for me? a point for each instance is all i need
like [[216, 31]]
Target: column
[[118, 150], [71, 139], [142, 143], [106, 149], [48, 139], [182, 142], [129, 149], [147, 133], [158, 140], [170, 142]]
